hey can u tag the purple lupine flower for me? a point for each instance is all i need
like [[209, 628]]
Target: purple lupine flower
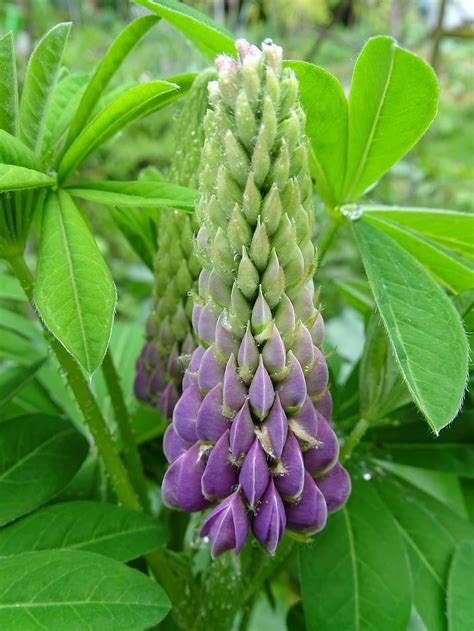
[[251, 431]]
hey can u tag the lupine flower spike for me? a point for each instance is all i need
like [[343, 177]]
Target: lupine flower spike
[[169, 336], [251, 437]]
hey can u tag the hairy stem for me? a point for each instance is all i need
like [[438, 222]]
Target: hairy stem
[[131, 454], [86, 401], [353, 439]]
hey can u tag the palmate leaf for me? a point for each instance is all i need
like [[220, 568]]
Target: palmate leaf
[[74, 291], [325, 105], [357, 293], [41, 76], [12, 380], [142, 193], [110, 64], [39, 455], [431, 532], [113, 531], [455, 274], [423, 326], [460, 601], [207, 35], [8, 86], [15, 153], [352, 577], [59, 589], [452, 229], [393, 99], [133, 104]]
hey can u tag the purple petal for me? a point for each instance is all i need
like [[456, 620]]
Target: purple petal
[[234, 391], [261, 392], [169, 487], [227, 525], [305, 423], [186, 412], [220, 474], [158, 380], [317, 331], [310, 512], [274, 430], [210, 371], [274, 353], [168, 399], [292, 389], [173, 445], [173, 367], [225, 342], [290, 484], [317, 379], [211, 423], [242, 432], [140, 386], [285, 316], [207, 325], [188, 490], [196, 314], [324, 405], [248, 356], [261, 314], [303, 348], [254, 474], [269, 523], [192, 371], [325, 454], [335, 485]]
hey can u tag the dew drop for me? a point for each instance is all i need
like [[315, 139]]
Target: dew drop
[[351, 211]]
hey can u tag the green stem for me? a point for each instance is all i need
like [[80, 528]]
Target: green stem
[[326, 237], [353, 439], [131, 454], [85, 399]]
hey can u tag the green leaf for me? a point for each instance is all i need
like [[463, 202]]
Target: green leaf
[[450, 228], [13, 379], [325, 106], [357, 293], [17, 347], [14, 152], [64, 101], [69, 589], [431, 532], [381, 388], [10, 288], [16, 321], [74, 291], [140, 231], [143, 193], [460, 601], [393, 99], [207, 35], [111, 62], [41, 76], [414, 445], [449, 271], [8, 86], [352, 577], [423, 326], [39, 455], [13, 178], [32, 399], [113, 531], [129, 106]]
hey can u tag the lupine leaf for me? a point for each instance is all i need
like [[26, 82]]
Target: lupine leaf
[[431, 532], [423, 326], [451, 228], [64, 102], [207, 35], [145, 194], [353, 578], [325, 105], [13, 379], [41, 76], [8, 86], [460, 601], [10, 288], [393, 99], [357, 293], [14, 152], [451, 272], [113, 531], [111, 62], [17, 347], [39, 455], [59, 589], [74, 291], [133, 104], [13, 178]]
